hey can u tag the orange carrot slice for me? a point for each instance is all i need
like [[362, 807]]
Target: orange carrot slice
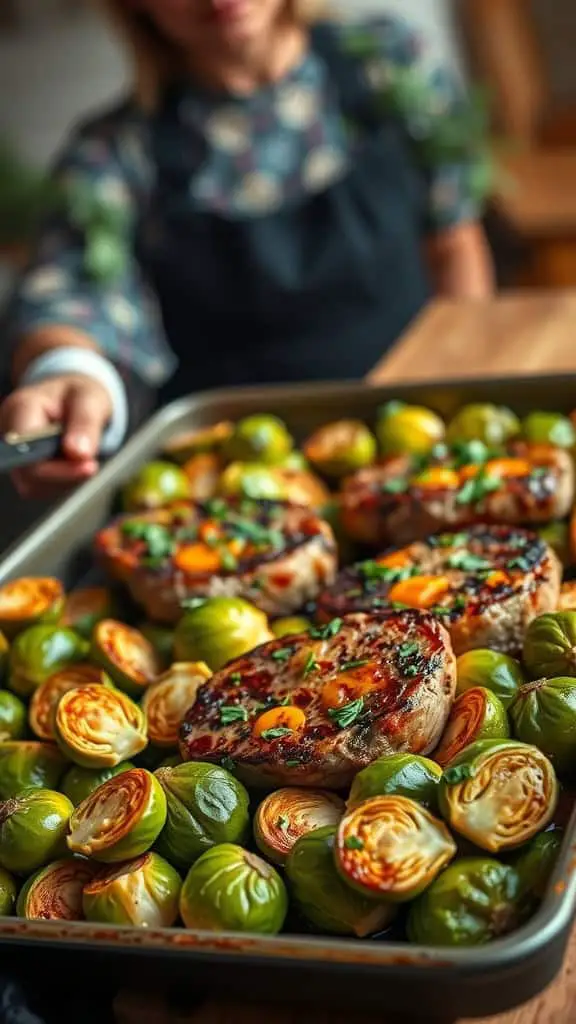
[[289, 717], [396, 560], [197, 558], [436, 478], [420, 591]]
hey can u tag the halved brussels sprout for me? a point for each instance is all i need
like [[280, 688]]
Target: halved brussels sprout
[[549, 428], [206, 806], [535, 864], [13, 717], [203, 473], [473, 902], [162, 640], [340, 448], [55, 892], [323, 899], [84, 608], [185, 446], [8, 893], [392, 848], [126, 655], [229, 889], [29, 765], [290, 626], [251, 480], [45, 699], [97, 727], [218, 630], [288, 814], [408, 429], [477, 714], [33, 829], [550, 645], [119, 820], [407, 775], [301, 487], [39, 652], [154, 485], [544, 713], [498, 673], [294, 460], [499, 793], [28, 601], [492, 424], [78, 783], [142, 892], [258, 439], [166, 702]]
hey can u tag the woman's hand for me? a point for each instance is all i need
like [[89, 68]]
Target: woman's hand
[[83, 406]]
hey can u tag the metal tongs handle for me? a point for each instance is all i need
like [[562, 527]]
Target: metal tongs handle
[[18, 450]]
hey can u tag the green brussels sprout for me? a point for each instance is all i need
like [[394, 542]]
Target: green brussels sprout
[[205, 441], [407, 775], [143, 893], [45, 699], [285, 816], [320, 895], [8, 893], [548, 428], [206, 806], [340, 448], [408, 429], [166, 702], [98, 727], [294, 460], [496, 672], [162, 640], [85, 608], [499, 793], [290, 626], [29, 765], [258, 439], [4, 657], [544, 713], [39, 652], [251, 480], [473, 902], [229, 889], [29, 601], [557, 536], [535, 865], [477, 714], [119, 820], [391, 848], [219, 630], [54, 893], [12, 717], [492, 424], [154, 485], [78, 783], [550, 645], [127, 656], [33, 829]]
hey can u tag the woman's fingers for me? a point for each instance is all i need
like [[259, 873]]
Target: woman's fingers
[[86, 413]]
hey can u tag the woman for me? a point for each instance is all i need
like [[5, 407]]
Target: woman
[[270, 205]]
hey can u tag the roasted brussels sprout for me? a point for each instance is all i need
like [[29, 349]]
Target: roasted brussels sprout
[[408, 429], [206, 806], [12, 717], [128, 657], [340, 448], [28, 601], [323, 899], [392, 848], [25, 765], [229, 889], [252, 480], [185, 446], [8, 893], [544, 713], [39, 652], [218, 630], [288, 814], [45, 699], [557, 536], [499, 793], [290, 626], [97, 727], [142, 892], [301, 487], [203, 473], [258, 439], [156, 484], [477, 714], [295, 461], [492, 424], [473, 902], [550, 645], [86, 607], [407, 775], [549, 428], [33, 829], [166, 702], [119, 820], [535, 864], [162, 640], [496, 672], [55, 892], [78, 783]]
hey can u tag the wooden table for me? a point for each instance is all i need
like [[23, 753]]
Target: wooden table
[[517, 334]]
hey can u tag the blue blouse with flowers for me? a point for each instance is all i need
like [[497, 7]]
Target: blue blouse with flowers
[[257, 153]]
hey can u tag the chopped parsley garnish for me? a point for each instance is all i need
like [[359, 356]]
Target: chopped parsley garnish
[[347, 714], [283, 823], [408, 650], [468, 562], [406, 654], [276, 734], [358, 663], [311, 664], [325, 632], [440, 611], [158, 540], [386, 573], [228, 561], [186, 534], [228, 763], [188, 604], [217, 508], [520, 562], [282, 654], [396, 485], [236, 678], [353, 843], [230, 713], [476, 489], [448, 540], [293, 764], [466, 453], [460, 773]]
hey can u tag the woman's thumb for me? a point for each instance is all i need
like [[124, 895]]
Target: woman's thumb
[[87, 411]]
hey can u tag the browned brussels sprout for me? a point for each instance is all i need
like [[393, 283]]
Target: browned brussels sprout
[[128, 657], [25, 765], [55, 892], [142, 892], [28, 601], [98, 727], [45, 699], [185, 446], [166, 702], [154, 485], [477, 714], [340, 448], [120, 820], [86, 607], [288, 814]]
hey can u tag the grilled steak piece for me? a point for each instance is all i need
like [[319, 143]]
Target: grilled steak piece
[[277, 556], [485, 584], [397, 503], [313, 709]]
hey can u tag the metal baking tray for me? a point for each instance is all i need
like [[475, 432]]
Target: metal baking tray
[[442, 984]]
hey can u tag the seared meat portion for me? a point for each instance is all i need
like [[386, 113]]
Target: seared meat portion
[[275, 555], [399, 502], [313, 709], [485, 584]]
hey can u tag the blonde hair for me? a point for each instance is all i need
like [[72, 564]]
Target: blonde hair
[[155, 59]]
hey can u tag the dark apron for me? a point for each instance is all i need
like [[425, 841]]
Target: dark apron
[[319, 289]]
